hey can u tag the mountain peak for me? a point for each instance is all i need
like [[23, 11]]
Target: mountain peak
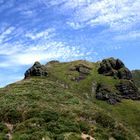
[[78, 71]]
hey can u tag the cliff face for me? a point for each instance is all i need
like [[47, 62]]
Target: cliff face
[[72, 101]]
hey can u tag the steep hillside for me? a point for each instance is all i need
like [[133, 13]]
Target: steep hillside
[[72, 101]]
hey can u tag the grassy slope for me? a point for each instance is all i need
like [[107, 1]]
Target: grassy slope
[[59, 108]]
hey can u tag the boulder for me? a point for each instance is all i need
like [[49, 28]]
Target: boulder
[[36, 70], [83, 71], [114, 67]]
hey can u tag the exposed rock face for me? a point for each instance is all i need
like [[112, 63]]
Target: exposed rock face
[[128, 90], [124, 73], [104, 92], [113, 93], [114, 67], [82, 70], [36, 70]]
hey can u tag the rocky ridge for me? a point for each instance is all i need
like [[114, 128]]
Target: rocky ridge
[[125, 87]]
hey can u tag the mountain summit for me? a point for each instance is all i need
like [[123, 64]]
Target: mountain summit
[[122, 87], [76, 100]]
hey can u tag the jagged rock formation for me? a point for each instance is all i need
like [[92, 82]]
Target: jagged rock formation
[[108, 67], [114, 67], [36, 70], [125, 89]]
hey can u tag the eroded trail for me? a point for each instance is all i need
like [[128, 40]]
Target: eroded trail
[[10, 132]]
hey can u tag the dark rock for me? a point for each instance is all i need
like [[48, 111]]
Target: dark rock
[[113, 101], [108, 67], [83, 71], [105, 93], [36, 70], [124, 73], [114, 67], [128, 90], [119, 64], [79, 78]]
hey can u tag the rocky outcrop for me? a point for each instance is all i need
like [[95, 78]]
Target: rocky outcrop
[[78, 71], [106, 93], [83, 71], [124, 73], [114, 67], [36, 70], [128, 90]]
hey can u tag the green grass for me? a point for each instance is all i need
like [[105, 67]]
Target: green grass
[[58, 108]]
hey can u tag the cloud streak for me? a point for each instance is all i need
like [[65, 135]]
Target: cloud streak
[[43, 47], [116, 14]]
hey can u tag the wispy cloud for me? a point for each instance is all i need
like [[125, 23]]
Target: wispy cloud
[[43, 47], [5, 33], [129, 36], [46, 34], [115, 13]]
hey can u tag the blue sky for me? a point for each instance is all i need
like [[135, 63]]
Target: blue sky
[[65, 30]]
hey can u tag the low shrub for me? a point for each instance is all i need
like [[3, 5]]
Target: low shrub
[[105, 120]]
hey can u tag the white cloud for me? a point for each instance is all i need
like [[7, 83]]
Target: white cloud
[[19, 52], [127, 36], [34, 46], [20, 55], [46, 34], [50, 50], [115, 13], [5, 33]]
